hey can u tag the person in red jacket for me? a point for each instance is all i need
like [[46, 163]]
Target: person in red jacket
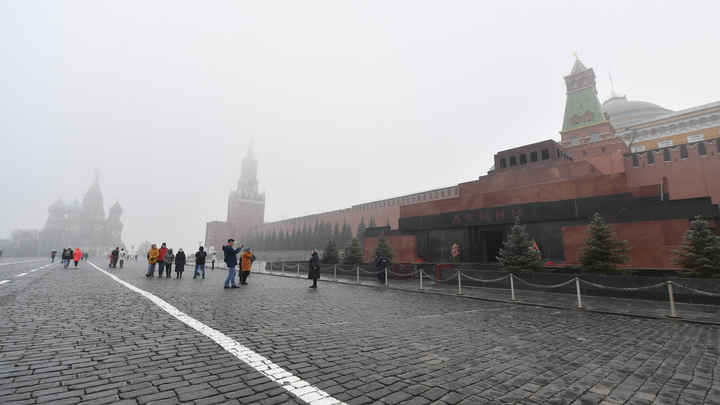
[[77, 255], [161, 260]]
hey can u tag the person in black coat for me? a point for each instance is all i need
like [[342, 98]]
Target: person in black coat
[[314, 269], [381, 262], [179, 263]]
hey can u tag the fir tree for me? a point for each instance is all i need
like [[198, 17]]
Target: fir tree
[[336, 233], [330, 254], [271, 243], [360, 230], [305, 239], [383, 246], [345, 235], [352, 254], [700, 251], [280, 243], [328, 233], [518, 252], [261, 241], [372, 224], [603, 251]]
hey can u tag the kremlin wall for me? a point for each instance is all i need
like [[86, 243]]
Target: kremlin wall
[[647, 170]]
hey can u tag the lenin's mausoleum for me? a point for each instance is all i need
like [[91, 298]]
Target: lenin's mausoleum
[[647, 170]]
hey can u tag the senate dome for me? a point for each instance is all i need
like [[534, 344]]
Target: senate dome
[[623, 113]]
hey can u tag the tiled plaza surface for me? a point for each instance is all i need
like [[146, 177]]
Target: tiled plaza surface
[[77, 336]]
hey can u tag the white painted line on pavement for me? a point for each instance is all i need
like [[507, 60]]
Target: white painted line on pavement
[[21, 274], [34, 270], [26, 261], [294, 385], [4, 281]]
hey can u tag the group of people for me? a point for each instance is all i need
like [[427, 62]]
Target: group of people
[[116, 255], [246, 259], [164, 258], [67, 255], [83, 255]]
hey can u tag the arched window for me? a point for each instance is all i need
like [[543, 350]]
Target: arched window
[[594, 136], [575, 140]]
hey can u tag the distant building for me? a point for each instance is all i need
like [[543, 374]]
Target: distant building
[[83, 225]]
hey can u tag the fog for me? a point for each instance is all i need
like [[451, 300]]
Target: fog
[[344, 102]]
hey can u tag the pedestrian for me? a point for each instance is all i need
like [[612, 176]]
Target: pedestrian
[[86, 255], [114, 256], [122, 257], [52, 255], [179, 263], [168, 260], [231, 261], [314, 269], [152, 257], [67, 256], [381, 263], [246, 260], [77, 256], [200, 256], [161, 258]]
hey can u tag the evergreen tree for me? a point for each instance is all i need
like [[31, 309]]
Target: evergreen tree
[[360, 230], [294, 236], [372, 223], [272, 241], [315, 234], [345, 235], [518, 252], [330, 254], [305, 238], [603, 251], [700, 250], [352, 253], [383, 246], [328, 233], [336, 233], [280, 243], [261, 241]]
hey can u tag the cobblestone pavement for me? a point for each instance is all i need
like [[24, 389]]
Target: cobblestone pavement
[[78, 336]]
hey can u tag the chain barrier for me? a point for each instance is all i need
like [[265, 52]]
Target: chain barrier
[[459, 274], [543, 286], [694, 290], [649, 287]]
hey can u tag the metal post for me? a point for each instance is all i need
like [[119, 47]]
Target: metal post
[[282, 268], [335, 272], [421, 277], [358, 275], [459, 283], [512, 288], [298, 266], [577, 286], [672, 300], [386, 282]]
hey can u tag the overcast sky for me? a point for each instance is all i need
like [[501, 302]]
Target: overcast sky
[[345, 101]]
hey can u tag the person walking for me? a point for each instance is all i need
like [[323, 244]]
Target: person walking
[[179, 263], [381, 262], [77, 256], [67, 255], [231, 261], [52, 255], [114, 256], [161, 259], [246, 260], [314, 269], [152, 257], [200, 256], [122, 257], [168, 260]]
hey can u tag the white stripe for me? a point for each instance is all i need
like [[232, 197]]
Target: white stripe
[[21, 274], [292, 384], [4, 281], [34, 270]]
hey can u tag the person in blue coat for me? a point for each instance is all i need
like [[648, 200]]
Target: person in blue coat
[[231, 261]]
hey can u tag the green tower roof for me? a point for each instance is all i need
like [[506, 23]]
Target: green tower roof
[[578, 67]]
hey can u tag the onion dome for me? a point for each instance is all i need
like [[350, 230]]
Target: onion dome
[[74, 207], [116, 209], [58, 207]]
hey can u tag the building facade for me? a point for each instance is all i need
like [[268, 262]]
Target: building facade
[[83, 225]]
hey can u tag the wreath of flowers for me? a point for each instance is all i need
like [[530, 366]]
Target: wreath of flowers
[[455, 253]]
